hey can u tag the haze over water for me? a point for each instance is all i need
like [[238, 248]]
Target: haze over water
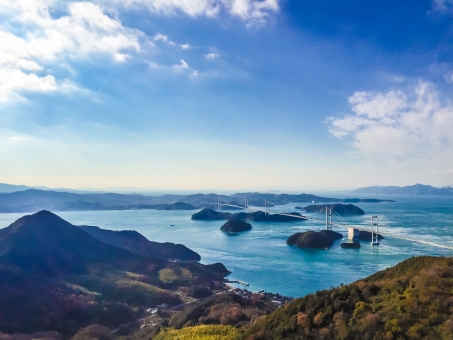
[[261, 256]]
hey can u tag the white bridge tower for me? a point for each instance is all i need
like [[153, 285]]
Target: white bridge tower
[[374, 230], [328, 218]]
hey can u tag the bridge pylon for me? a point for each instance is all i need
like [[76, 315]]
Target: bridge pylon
[[374, 230], [219, 203], [248, 205], [328, 218]]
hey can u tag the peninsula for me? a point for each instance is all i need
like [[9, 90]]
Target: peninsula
[[417, 189]]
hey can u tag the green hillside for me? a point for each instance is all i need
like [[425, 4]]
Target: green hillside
[[137, 243], [204, 332], [413, 300], [56, 277]]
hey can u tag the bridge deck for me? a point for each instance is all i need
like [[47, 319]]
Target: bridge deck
[[358, 228]]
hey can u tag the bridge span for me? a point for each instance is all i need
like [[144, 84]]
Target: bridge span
[[272, 209]]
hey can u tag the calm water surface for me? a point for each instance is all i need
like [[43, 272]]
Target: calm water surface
[[262, 257]]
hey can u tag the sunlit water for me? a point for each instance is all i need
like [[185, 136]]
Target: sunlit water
[[261, 256]]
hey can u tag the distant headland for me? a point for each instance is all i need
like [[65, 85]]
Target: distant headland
[[413, 190]]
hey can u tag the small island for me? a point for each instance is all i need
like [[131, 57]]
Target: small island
[[235, 226], [210, 215], [339, 208], [332, 234], [311, 239]]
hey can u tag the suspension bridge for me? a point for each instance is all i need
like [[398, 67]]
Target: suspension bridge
[[272, 209]]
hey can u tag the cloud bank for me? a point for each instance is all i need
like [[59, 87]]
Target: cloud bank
[[400, 124], [40, 38], [252, 11], [34, 43]]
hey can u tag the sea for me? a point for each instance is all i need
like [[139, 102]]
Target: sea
[[261, 256]]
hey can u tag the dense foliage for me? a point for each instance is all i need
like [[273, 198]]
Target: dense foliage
[[59, 281], [234, 226], [339, 208], [413, 300], [201, 333], [225, 309], [139, 244], [310, 239], [31, 304]]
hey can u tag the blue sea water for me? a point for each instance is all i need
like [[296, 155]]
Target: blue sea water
[[261, 256]]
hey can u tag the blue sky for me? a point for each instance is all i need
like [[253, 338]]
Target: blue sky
[[226, 94]]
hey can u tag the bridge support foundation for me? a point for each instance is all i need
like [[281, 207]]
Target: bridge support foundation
[[353, 234]]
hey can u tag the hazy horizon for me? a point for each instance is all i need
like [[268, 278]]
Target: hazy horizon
[[224, 191]]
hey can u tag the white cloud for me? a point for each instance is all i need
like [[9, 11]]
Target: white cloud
[[181, 66], [14, 81], [160, 37], [252, 11], [378, 105], [443, 5], [164, 38], [32, 41], [399, 124], [38, 48], [184, 68], [211, 56]]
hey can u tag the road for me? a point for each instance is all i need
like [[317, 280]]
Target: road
[[146, 318]]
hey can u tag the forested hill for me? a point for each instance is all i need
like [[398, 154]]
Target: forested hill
[[56, 277], [412, 300], [417, 189], [33, 200], [139, 244]]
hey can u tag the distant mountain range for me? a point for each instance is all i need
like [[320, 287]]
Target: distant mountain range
[[417, 189], [31, 200], [8, 188]]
